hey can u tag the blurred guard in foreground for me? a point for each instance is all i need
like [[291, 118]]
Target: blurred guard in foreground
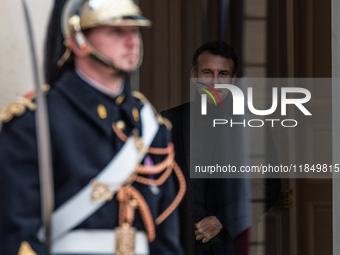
[[111, 153]]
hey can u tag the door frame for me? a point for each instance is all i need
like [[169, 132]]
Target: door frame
[[336, 122]]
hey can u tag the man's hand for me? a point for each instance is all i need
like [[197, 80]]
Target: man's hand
[[208, 228]]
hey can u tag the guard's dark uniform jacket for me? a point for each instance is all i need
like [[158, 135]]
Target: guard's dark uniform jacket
[[83, 142]]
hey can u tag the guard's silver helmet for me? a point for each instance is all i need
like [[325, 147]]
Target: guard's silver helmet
[[78, 15]]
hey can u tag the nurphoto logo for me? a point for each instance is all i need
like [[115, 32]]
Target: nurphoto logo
[[239, 105]]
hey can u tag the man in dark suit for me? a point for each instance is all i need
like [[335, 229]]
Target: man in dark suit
[[214, 211]]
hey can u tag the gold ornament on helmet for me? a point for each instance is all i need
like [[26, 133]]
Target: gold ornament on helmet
[[79, 15]]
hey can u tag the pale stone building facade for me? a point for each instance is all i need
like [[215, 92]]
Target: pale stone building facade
[[16, 76]]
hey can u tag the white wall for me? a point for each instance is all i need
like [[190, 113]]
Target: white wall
[[336, 120], [15, 66]]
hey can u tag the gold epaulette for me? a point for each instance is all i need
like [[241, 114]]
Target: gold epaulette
[[19, 107], [161, 120]]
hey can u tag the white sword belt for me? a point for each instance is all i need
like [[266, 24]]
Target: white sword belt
[[103, 241]]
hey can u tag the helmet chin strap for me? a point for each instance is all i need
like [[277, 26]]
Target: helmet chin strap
[[85, 45]]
